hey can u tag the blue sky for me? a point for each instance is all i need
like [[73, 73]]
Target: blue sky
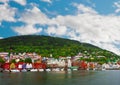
[[92, 21]]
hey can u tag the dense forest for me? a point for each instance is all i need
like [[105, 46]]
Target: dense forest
[[54, 46]]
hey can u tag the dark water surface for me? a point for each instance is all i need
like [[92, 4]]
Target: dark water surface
[[61, 78]]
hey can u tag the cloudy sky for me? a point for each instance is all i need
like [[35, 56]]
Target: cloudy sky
[[92, 21]]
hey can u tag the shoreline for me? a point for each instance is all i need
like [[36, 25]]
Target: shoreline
[[53, 70]]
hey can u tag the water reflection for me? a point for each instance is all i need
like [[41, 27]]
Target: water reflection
[[61, 78]]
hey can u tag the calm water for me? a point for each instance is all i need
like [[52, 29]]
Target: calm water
[[61, 78]]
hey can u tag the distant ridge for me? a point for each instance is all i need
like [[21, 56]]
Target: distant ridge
[[46, 45]]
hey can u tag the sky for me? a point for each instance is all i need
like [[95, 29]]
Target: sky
[[91, 21]]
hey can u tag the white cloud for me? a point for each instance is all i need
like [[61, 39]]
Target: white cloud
[[91, 27], [1, 37], [86, 26], [7, 13], [117, 5], [48, 1], [58, 31], [83, 9], [90, 2], [21, 2], [33, 16], [4, 1], [26, 30], [51, 12]]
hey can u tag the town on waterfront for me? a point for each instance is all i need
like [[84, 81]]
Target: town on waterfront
[[59, 35], [23, 62]]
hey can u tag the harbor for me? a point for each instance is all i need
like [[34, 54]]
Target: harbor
[[25, 62], [82, 77]]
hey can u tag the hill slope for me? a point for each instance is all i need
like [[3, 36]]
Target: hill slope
[[46, 45]]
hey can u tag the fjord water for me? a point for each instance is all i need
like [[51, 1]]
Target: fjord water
[[111, 77]]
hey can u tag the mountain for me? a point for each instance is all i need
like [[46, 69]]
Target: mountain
[[47, 45]]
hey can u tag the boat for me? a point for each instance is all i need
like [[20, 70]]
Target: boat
[[14, 70]]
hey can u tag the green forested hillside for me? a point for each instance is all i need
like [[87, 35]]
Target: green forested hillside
[[46, 45]]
